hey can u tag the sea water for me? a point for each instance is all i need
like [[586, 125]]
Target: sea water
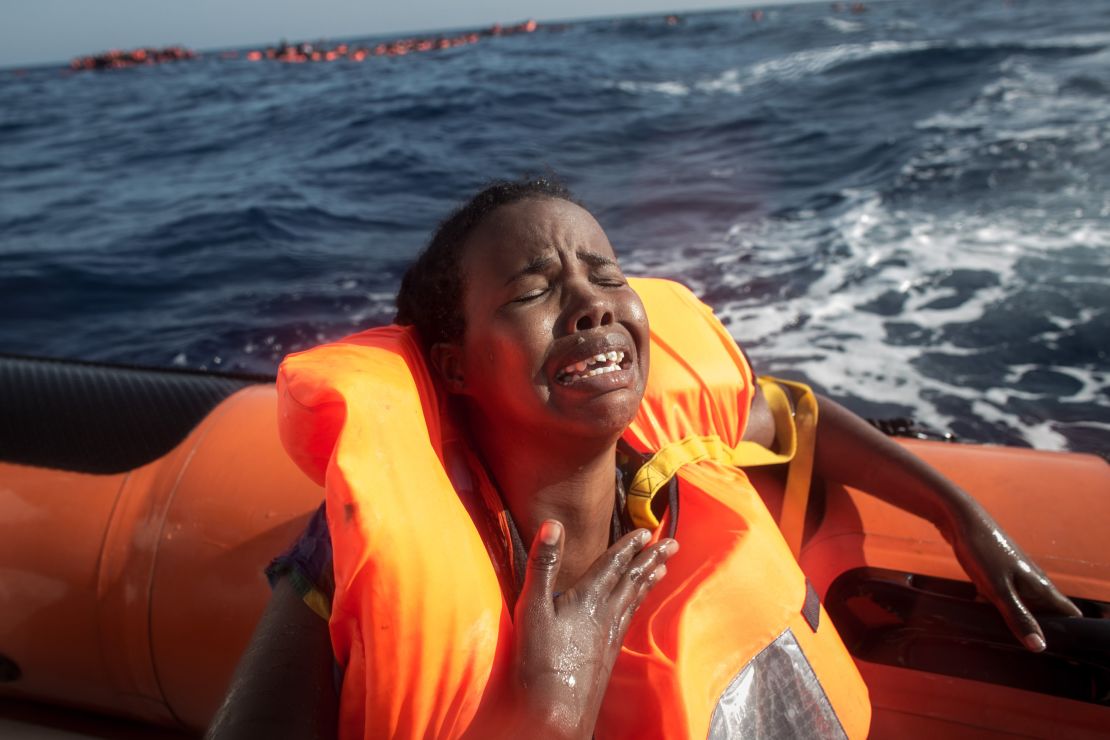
[[907, 207]]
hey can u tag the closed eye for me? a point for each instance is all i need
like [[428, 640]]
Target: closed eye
[[609, 281], [530, 295]]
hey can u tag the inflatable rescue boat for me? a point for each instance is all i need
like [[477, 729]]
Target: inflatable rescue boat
[[139, 507]]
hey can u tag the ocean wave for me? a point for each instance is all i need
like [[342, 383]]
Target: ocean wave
[[1025, 125], [882, 285], [728, 82], [955, 53], [1085, 42], [907, 207], [817, 61], [842, 25], [673, 88], [245, 233]]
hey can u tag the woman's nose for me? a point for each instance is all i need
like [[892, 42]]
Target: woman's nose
[[589, 309]]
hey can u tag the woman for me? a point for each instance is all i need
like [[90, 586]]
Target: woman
[[528, 325]]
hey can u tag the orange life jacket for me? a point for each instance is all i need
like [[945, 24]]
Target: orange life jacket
[[731, 642]]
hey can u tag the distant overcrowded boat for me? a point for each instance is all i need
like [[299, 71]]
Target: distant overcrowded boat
[[116, 59], [299, 52]]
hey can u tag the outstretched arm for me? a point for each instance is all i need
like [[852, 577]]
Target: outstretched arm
[[850, 451], [284, 685]]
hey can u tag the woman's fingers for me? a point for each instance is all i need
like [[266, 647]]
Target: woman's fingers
[[642, 590], [543, 567], [1010, 580], [566, 646], [605, 572], [642, 574], [1019, 619], [1038, 591], [1041, 594]]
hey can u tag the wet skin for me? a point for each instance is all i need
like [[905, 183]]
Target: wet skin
[[543, 295], [542, 291], [565, 647]]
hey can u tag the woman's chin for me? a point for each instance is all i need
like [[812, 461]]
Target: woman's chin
[[603, 416]]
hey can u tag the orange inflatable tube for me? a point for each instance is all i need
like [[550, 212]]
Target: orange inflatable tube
[[132, 592]]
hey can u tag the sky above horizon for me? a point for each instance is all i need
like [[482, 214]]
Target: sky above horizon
[[43, 31]]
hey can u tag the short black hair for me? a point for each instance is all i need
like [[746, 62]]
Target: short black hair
[[430, 298]]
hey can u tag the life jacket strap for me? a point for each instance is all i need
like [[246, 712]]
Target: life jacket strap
[[794, 408]]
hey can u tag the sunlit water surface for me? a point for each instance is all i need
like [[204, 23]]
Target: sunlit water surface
[[906, 207]]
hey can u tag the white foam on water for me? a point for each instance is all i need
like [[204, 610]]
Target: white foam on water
[[672, 88], [727, 82], [1027, 103], [814, 61], [1092, 40], [826, 334], [1092, 385], [378, 303], [1039, 435], [842, 25], [1025, 122], [792, 66], [901, 25]]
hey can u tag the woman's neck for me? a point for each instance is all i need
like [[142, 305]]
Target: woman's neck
[[576, 486]]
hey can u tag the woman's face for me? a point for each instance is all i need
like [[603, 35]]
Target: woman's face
[[555, 339]]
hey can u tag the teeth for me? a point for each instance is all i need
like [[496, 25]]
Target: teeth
[[578, 370], [601, 371]]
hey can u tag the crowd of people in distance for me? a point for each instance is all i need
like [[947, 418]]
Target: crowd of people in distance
[[307, 52], [117, 59], [301, 52]]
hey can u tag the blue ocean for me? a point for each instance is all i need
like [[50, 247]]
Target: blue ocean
[[907, 206]]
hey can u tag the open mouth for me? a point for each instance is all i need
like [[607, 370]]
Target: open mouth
[[599, 364]]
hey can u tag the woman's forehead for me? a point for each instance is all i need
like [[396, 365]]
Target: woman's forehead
[[529, 230]]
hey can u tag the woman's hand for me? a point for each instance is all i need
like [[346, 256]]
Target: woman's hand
[[566, 644], [851, 451], [1005, 575]]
